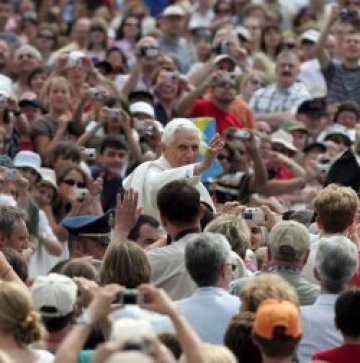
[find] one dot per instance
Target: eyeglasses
(72, 183)
(289, 45)
(224, 157)
(258, 82)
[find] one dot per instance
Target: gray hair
(205, 254)
(286, 54)
(178, 125)
(31, 49)
(336, 262)
(235, 229)
(8, 217)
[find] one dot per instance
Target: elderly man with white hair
(180, 148)
(335, 266)
(26, 58)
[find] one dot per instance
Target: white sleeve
(45, 229)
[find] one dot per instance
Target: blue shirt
(210, 310)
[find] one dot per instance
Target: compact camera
(131, 297)
(241, 134)
(81, 194)
(90, 153)
(95, 93)
(254, 214)
(149, 52)
(114, 113)
(348, 14)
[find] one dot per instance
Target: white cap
(28, 159)
(126, 328)
(54, 295)
(132, 356)
(173, 10)
(222, 57)
(48, 176)
(283, 138)
(311, 35)
(339, 130)
(142, 107)
(7, 200)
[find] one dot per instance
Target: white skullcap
(175, 125)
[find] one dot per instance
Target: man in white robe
(180, 147)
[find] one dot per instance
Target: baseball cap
(294, 125)
(273, 314)
(341, 130)
(173, 10)
(48, 176)
(283, 138)
(142, 107)
(54, 295)
(243, 32)
(310, 35)
(289, 241)
(313, 107)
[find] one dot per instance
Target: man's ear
(76, 246)
(163, 221)
(319, 222)
(163, 148)
(307, 253)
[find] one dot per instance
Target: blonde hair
(4, 358)
(336, 207)
(215, 354)
(265, 286)
(45, 91)
(18, 317)
(235, 229)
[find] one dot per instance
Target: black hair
(36, 71)
(53, 325)
(179, 202)
(143, 219)
(120, 30)
(113, 142)
(347, 313)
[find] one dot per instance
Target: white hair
(178, 125)
(336, 262)
(31, 49)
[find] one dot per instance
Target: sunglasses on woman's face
(258, 82)
(288, 45)
(72, 183)
(222, 157)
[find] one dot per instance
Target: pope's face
(183, 150)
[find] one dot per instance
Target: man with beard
(222, 90)
(279, 101)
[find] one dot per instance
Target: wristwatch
(84, 319)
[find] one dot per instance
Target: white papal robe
(149, 177)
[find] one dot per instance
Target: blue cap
(90, 226)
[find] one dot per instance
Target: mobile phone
(10, 174)
(131, 297)
(254, 214)
(114, 113)
(95, 93)
(241, 134)
(90, 153)
(81, 193)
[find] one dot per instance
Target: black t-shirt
(112, 186)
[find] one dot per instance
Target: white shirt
(210, 310)
(149, 177)
(271, 99)
(319, 331)
(311, 75)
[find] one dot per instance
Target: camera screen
(130, 299)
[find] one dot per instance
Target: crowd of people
(179, 181)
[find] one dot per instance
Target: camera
(74, 61)
(149, 52)
(81, 194)
(90, 153)
(10, 174)
(95, 93)
(138, 344)
(254, 214)
(131, 297)
(142, 125)
(171, 76)
(348, 14)
(223, 47)
(241, 134)
(114, 113)
(324, 165)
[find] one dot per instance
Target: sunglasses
(72, 183)
(224, 157)
(257, 82)
(289, 45)
(46, 36)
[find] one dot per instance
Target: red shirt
(347, 353)
(207, 108)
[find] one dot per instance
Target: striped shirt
(272, 99)
(342, 83)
